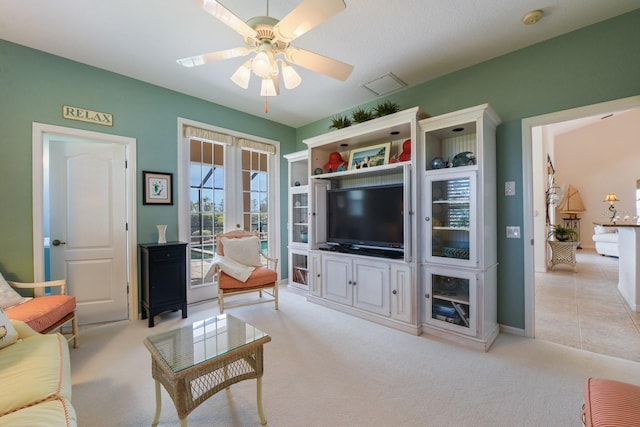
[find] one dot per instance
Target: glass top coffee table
(196, 361)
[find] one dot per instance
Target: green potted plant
(361, 115)
(386, 108)
(339, 122)
(562, 234)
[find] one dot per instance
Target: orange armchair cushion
(260, 277)
(610, 403)
(42, 312)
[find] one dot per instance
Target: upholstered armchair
(240, 269)
(43, 313)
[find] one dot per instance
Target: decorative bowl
(438, 163)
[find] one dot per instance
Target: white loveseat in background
(606, 240)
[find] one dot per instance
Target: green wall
(33, 88)
(595, 64)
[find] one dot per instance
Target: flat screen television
(368, 217)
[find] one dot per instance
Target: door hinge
(126, 164)
(126, 227)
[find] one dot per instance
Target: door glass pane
(206, 183)
(255, 191)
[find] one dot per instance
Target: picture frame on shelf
(371, 156)
(157, 188)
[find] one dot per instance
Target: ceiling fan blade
(227, 17)
(194, 61)
(309, 14)
(318, 63)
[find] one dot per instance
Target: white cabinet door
(299, 268)
(402, 293)
(449, 223)
(318, 220)
(371, 286)
(337, 284)
(450, 299)
(299, 216)
(315, 274)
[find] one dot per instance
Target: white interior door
(88, 226)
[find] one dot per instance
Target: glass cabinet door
(450, 299)
(450, 218)
(299, 269)
(300, 218)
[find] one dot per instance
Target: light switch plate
(513, 232)
(510, 188)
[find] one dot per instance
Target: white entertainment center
(430, 263)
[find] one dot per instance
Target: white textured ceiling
(417, 40)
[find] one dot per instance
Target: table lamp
(611, 197)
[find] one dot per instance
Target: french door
(232, 184)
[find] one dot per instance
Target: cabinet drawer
(166, 255)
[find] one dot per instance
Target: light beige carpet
(325, 368)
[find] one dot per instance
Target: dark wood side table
(164, 278)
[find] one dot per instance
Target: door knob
(58, 243)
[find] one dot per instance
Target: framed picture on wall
(157, 188)
(368, 157)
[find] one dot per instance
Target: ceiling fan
(270, 40)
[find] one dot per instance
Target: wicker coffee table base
(192, 386)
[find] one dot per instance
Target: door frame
(528, 157)
(39, 132)
(231, 174)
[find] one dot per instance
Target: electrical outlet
(513, 232)
(510, 188)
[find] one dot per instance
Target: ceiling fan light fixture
(242, 75)
(269, 87)
(261, 65)
(290, 76)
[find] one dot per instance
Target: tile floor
(584, 309)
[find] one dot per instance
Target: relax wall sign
(89, 116)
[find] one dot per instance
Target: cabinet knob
(427, 295)
(394, 292)
(349, 282)
(426, 218)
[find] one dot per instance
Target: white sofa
(606, 240)
(35, 378)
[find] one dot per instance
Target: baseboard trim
(511, 330)
(372, 317)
